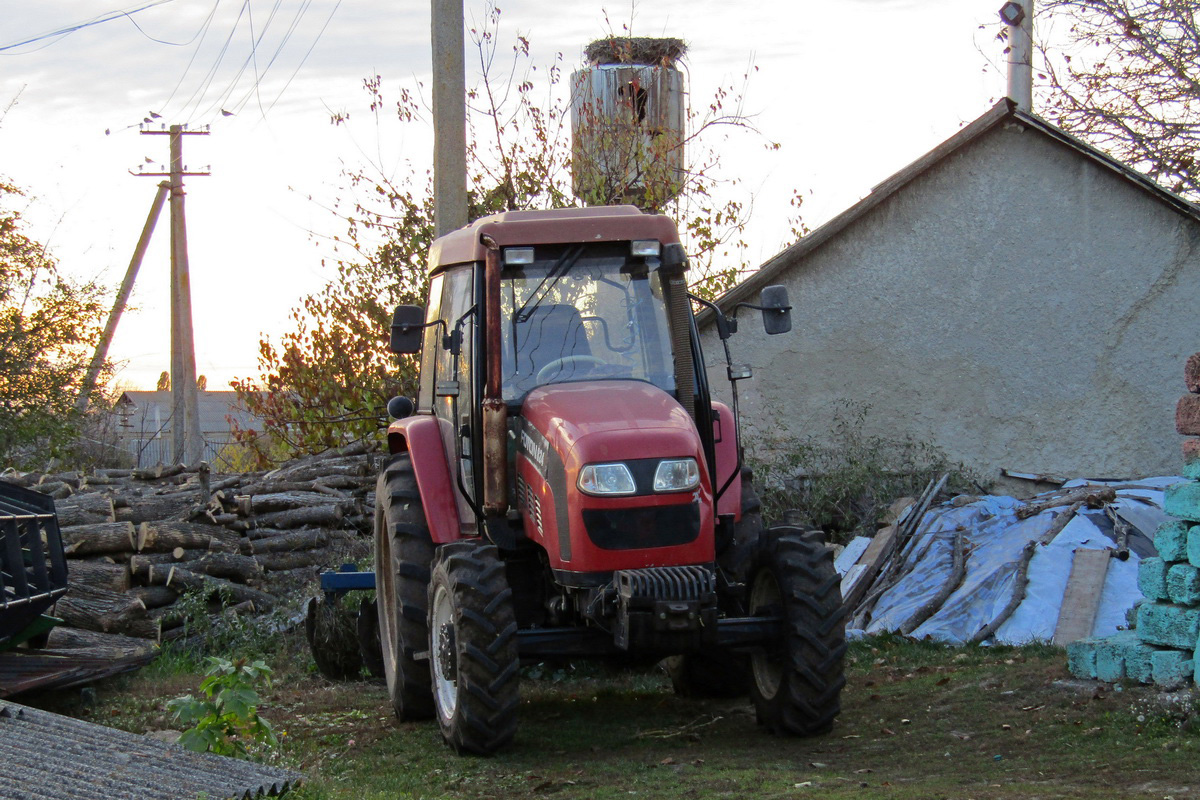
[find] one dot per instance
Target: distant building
(144, 425)
(1015, 296)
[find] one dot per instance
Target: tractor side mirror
(407, 324)
(776, 310)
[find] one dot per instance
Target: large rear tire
(403, 554)
(473, 648)
(721, 672)
(796, 685)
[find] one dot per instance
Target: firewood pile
(137, 540)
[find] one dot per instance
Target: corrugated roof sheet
(45, 756)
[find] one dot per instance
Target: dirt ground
(918, 721)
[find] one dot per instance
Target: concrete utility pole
(187, 445)
(449, 118)
(135, 263)
(1018, 15)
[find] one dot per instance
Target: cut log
(67, 638)
(281, 501)
(99, 610)
(98, 538)
(326, 485)
(164, 536)
(155, 596)
(231, 566)
(84, 509)
(294, 518)
(161, 471)
(98, 575)
(157, 508)
(178, 578)
(304, 539)
(297, 559)
(1092, 496)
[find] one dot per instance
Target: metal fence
(151, 452)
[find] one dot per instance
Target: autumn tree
(49, 325)
(327, 381)
(1124, 75)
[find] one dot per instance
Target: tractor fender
(420, 436)
(725, 433)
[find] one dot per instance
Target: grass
(918, 721)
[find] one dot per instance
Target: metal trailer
(33, 569)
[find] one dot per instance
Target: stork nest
(635, 50)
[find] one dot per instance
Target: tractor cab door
(451, 385)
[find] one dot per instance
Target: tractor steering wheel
(557, 365)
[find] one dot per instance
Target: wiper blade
(564, 263)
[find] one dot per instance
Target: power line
(108, 17)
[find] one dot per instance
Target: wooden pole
(135, 263)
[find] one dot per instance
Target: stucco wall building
(1014, 296)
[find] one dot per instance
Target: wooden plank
(872, 561)
(851, 554)
(1081, 601)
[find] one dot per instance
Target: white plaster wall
(1017, 305)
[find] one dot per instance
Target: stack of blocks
(1162, 647)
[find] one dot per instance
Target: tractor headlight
(606, 479)
(676, 475)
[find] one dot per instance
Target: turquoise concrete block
(1168, 625)
(1118, 657)
(1183, 584)
(1081, 658)
(1152, 578)
(1170, 540)
(1183, 500)
(1191, 470)
(1193, 546)
(1139, 664)
(1172, 669)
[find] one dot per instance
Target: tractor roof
(555, 226)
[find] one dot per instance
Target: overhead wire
(59, 34)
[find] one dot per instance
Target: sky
(852, 90)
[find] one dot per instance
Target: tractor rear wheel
(403, 554)
(473, 648)
(721, 672)
(796, 685)
(329, 629)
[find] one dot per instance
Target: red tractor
(567, 487)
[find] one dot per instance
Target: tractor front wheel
(403, 553)
(473, 648)
(796, 683)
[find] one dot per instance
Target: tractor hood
(601, 421)
(567, 426)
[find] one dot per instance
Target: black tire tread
(815, 640)
(485, 718)
(411, 555)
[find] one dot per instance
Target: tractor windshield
(583, 312)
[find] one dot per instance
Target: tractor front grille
(639, 528)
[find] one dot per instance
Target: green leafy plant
(226, 720)
(844, 481)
